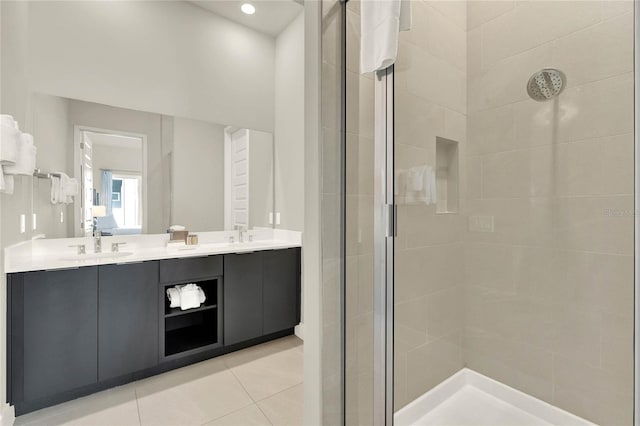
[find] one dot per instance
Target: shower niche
(447, 176)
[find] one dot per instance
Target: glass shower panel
(430, 143)
(514, 183)
(359, 230)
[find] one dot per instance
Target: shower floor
(471, 399)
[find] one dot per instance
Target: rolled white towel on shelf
(26, 159)
(9, 139)
(173, 294)
(189, 297)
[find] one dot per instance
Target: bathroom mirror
(141, 172)
(199, 122)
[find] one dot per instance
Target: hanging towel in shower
(381, 21)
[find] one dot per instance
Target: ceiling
(271, 17)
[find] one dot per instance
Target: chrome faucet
(242, 230)
(97, 241)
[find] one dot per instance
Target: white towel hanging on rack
(380, 23)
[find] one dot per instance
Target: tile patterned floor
(261, 385)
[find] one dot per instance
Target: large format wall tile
(549, 291)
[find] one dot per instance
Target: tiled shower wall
(430, 102)
(543, 302)
(549, 293)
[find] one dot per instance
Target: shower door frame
(636, 222)
(385, 231)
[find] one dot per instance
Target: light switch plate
(61, 217)
(34, 221)
(271, 218)
(23, 223)
(278, 218)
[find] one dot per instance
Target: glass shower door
(513, 168)
(490, 216)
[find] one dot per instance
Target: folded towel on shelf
(173, 293)
(417, 178)
(9, 139)
(25, 159)
(186, 296)
(416, 185)
(8, 184)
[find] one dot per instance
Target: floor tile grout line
(135, 392)
(264, 414)
(242, 385)
(279, 392)
(228, 414)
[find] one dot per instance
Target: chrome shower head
(546, 84)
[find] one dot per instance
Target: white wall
(289, 125)
(167, 57)
(198, 175)
(50, 118)
(260, 178)
(14, 101)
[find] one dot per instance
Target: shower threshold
(471, 399)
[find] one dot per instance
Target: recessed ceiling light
(248, 8)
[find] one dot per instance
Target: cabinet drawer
(190, 269)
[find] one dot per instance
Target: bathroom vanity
(102, 323)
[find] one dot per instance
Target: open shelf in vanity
(185, 332)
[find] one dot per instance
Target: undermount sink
(97, 256)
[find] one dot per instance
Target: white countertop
(45, 254)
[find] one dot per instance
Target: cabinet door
(242, 307)
(281, 286)
(128, 318)
(60, 331)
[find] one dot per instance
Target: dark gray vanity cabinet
(54, 315)
(76, 331)
(127, 319)
(281, 289)
(242, 297)
(261, 293)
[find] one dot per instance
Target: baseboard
(7, 415)
(299, 331)
(411, 413)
